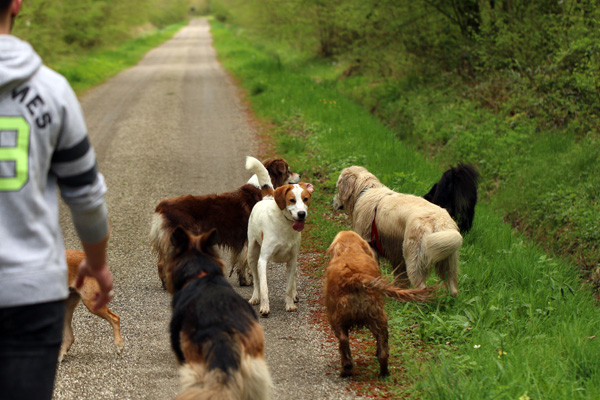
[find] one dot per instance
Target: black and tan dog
(215, 333)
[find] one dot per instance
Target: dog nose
(301, 215)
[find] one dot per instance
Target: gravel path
(169, 126)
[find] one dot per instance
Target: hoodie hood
(18, 61)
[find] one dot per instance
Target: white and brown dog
(274, 233)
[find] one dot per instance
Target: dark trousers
(30, 338)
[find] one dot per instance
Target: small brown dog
(86, 293)
(354, 292)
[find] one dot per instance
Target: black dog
(457, 193)
(215, 333)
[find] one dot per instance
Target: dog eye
(293, 201)
(305, 199)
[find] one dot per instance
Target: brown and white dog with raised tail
(415, 235)
(354, 290)
(274, 233)
(227, 212)
(215, 333)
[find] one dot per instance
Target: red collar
(375, 241)
(199, 276)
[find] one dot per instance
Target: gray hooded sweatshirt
(43, 147)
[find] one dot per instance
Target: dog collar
(361, 193)
(375, 242)
(201, 275)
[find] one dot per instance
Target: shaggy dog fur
(457, 193)
(87, 294)
(215, 333)
(227, 212)
(415, 234)
(354, 292)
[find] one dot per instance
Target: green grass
(523, 325)
(94, 67)
(546, 181)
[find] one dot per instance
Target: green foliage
(58, 28)
(523, 325)
(95, 67)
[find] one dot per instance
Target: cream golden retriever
(412, 233)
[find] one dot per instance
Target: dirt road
(174, 125)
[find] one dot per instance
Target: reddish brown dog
(354, 291)
(227, 212)
(86, 294)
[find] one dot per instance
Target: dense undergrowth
(510, 86)
(524, 324)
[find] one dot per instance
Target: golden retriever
(354, 292)
(412, 233)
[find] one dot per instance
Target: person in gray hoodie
(44, 150)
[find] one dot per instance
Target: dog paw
(346, 372)
(119, 349)
(291, 307)
(254, 301)
(245, 280)
(264, 312)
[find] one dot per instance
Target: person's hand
(102, 274)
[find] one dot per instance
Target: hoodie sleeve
(73, 163)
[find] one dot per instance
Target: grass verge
(524, 325)
(94, 67)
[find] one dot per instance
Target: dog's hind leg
(113, 319)
(416, 264)
(447, 270)
(68, 337)
(345, 353)
(258, 266)
(239, 261)
(379, 327)
(161, 272)
(400, 275)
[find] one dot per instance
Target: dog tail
(441, 245)
(251, 381)
(405, 295)
(159, 239)
(264, 180)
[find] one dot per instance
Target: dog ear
(333, 250)
(307, 186)
(209, 239)
(280, 194)
(180, 239)
(367, 248)
(346, 185)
